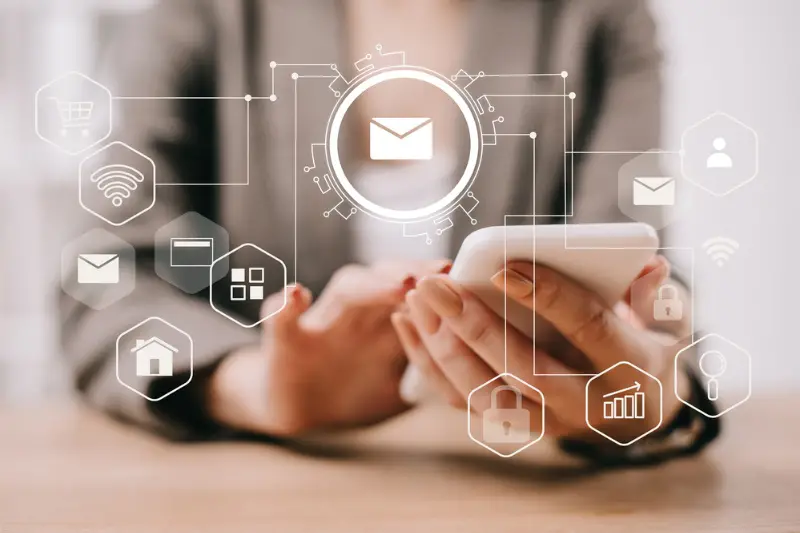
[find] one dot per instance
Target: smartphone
(605, 258)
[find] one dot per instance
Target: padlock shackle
(666, 287)
(509, 388)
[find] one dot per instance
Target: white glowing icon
(117, 182)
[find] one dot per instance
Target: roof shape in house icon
(154, 357)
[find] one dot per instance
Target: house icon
(153, 357)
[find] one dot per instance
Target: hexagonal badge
(185, 249)
(151, 349)
(98, 268)
(238, 292)
(648, 192)
(73, 113)
(723, 367)
(624, 403)
(117, 183)
(719, 154)
(510, 415)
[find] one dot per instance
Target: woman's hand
(458, 343)
(334, 363)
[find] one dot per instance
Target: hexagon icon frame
(656, 212)
(92, 293)
(660, 404)
(756, 166)
(192, 227)
(191, 358)
(211, 285)
(469, 415)
(749, 373)
(97, 153)
(69, 74)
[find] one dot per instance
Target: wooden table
(66, 470)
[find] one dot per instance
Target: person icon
(712, 365)
(719, 159)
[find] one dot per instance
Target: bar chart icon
(624, 403)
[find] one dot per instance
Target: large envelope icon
(98, 269)
(400, 138)
(654, 191)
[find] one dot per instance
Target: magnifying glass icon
(713, 365)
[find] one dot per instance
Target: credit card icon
(191, 252)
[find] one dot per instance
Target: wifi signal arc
(117, 182)
(720, 249)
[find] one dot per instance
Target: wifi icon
(117, 182)
(720, 249)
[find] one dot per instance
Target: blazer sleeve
(165, 52)
(626, 112)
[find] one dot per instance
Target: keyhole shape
(506, 427)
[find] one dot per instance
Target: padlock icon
(667, 307)
(506, 426)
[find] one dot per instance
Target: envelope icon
(653, 191)
(98, 269)
(400, 138)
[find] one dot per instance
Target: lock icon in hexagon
(667, 306)
(506, 426)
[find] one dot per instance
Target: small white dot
(719, 143)
(273, 97)
(572, 96)
(295, 75)
(247, 98)
(272, 64)
(564, 74)
(532, 135)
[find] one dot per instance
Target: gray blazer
(223, 48)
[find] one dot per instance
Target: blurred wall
(739, 56)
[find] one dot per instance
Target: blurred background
(734, 56)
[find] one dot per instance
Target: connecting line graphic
(246, 98)
(567, 153)
(525, 75)
(572, 153)
(566, 246)
(273, 66)
(296, 79)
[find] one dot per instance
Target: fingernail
(516, 285)
(446, 269)
(296, 294)
(440, 296)
(409, 283)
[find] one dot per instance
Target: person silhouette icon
(712, 365)
(719, 159)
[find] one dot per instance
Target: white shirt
(401, 187)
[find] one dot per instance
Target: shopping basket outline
(74, 115)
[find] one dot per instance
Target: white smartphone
(605, 258)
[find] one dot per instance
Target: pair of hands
(460, 344)
(338, 361)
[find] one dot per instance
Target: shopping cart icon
(74, 115)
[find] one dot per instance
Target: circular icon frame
(443, 205)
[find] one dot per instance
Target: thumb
(654, 273)
(646, 291)
(284, 321)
